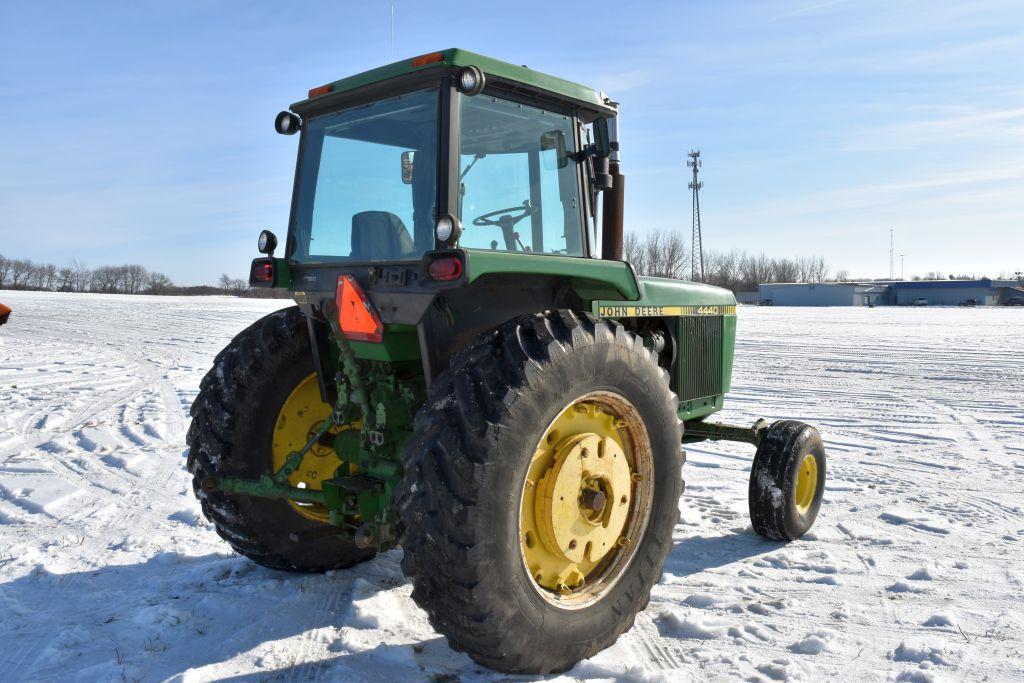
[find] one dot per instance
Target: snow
(108, 570)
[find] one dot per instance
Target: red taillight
(262, 271)
(447, 268)
(356, 316)
(432, 58)
(322, 90)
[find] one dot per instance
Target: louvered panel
(701, 360)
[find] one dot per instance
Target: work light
(471, 80)
(287, 123)
(447, 229)
(267, 243)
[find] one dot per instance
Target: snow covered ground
(914, 570)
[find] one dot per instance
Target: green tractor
(471, 372)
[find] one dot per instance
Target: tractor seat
(380, 235)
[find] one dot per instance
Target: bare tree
(66, 279)
(49, 276)
(225, 282)
(659, 253)
(134, 278)
(5, 269)
(21, 271)
(158, 283)
(82, 276)
(105, 280)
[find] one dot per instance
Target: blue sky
(142, 132)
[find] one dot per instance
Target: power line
(697, 241)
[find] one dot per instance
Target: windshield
(519, 189)
(368, 182)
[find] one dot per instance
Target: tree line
(124, 279)
(666, 254)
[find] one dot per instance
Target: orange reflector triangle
(356, 316)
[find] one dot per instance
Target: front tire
(236, 420)
(787, 480)
(552, 386)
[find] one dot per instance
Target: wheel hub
(580, 496)
(572, 515)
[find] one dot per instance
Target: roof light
(267, 243)
(322, 90)
(432, 58)
(287, 123)
(356, 316)
(445, 268)
(471, 81)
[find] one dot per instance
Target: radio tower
(697, 243)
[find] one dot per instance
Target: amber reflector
(322, 90)
(432, 58)
(356, 316)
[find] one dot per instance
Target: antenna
(392, 4)
(696, 242)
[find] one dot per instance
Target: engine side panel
(701, 321)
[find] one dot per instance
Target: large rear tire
(236, 420)
(514, 486)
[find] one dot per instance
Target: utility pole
(696, 242)
(892, 264)
(902, 276)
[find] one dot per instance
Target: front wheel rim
(806, 483)
(586, 500)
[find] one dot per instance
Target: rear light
(445, 268)
(432, 58)
(356, 316)
(261, 273)
(322, 90)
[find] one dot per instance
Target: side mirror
(555, 140)
(267, 243)
(602, 143)
(407, 166)
(287, 123)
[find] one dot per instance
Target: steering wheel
(506, 220)
(489, 217)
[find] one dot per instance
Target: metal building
(983, 292)
(820, 294)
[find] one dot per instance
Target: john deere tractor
(471, 372)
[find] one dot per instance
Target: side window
(519, 190)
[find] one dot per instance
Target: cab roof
(455, 57)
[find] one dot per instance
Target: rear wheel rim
(586, 500)
(806, 483)
(299, 418)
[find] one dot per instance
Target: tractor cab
(445, 149)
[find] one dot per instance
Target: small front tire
(787, 481)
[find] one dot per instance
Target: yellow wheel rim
(586, 499)
(806, 483)
(298, 420)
